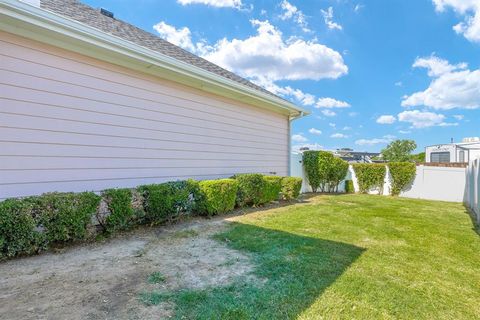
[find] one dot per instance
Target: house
(465, 151)
(89, 102)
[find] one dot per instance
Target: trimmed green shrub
(251, 189)
(66, 216)
(402, 174)
(370, 176)
(18, 233)
(310, 163)
(119, 202)
(337, 172)
(273, 186)
(349, 186)
(217, 196)
(166, 201)
(291, 187)
(324, 170)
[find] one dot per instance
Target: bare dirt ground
(103, 280)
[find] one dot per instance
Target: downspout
(289, 157)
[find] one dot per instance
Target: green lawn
(348, 257)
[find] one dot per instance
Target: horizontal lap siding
(71, 123)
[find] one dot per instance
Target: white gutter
(41, 25)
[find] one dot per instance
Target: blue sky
(369, 70)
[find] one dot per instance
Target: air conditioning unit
(471, 139)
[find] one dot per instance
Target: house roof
(85, 14)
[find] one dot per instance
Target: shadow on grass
(291, 272)
(473, 218)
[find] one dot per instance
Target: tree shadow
(290, 273)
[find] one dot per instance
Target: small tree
(399, 150)
(420, 157)
(310, 163)
(338, 173)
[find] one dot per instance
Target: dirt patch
(104, 280)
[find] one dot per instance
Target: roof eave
(50, 28)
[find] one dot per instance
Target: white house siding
(71, 123)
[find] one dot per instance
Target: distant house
(352, 156)
(90, 102)
(465, 151)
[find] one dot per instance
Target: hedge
(251, 189)
(310, 163)
(32, 224)
(349, 186)
(273, 187)
(402, 174)
(119, 202)
(217, 196)
(324, 170)
(370, 176)
(164, 202)
(18, 233)
(66, 216)
(291, 187)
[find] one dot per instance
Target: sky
(370, 71)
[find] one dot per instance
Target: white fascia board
(41, 25)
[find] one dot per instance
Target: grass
(156, 277)
(347, 257)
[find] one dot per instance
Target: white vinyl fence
(432, 182)
(472, 193)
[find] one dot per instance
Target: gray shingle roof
(80, 12)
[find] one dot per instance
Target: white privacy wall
(72, 123)
(472, 194)
(431, 182)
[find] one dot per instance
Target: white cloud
(291, 12)
(315, 131)
(299, 138)
(328, 18)
(237, 4)
(404, 131)
(180, 37)
(470, 27)
(419, 119)
(398, 84)
(459, 117)
(331, 103)
(267, 55)
(338, 136)
(370, 142)
(386, 119)
(437, 66)
(452, 86)
(328, 113)
(346, 128)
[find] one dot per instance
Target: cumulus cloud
(422, 119)
(371, 142)
(269, 56)
(291, 12)
(338, 136)
(331, 103)
(452, 86)
(328, 113)
(328, 18)
(459, 117)
(299, 138)
(470, 10)
(315, 131)
(180, 37)
(386, 119)
(237, 4)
